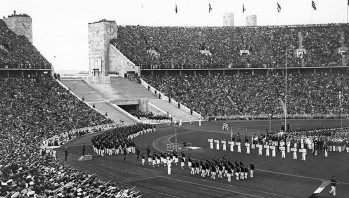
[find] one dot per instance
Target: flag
(209, 8)
(313, 5)
(278, 7)
(321, 187)
(176, 9)
(243, 8)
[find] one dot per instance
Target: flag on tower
(209, 8)
(176, 9)
(278, 7)
(243, 8)
(313, 5)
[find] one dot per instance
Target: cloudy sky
(60, 26)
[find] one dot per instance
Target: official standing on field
(83, 149)
(66, 153)
(333, 186)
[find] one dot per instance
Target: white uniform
(169, 166)
(273, 153)
(304, 153)
(224, 145)
(267, 150)
(248, 148)
(260, 148)
(211, 143)
(283, 152)
(239, 147)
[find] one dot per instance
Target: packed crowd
(119, 140)
(220, 47)
(33, 110)
(17, 52)
(259, 94)
(148, 115)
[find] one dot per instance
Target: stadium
(232, 110)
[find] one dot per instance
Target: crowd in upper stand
(247, 94)
(178, 47)
(34, 109)
(17, 52)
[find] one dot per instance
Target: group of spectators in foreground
(32, 110)
(16, 51)
(220, 47)
(321, 93)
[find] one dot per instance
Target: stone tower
(228, 19)
(99, 35)
(105, 58)
(21, 24)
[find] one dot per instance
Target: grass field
(274, 177)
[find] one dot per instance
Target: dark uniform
(83, 149)
(137, 152)
(66, 153)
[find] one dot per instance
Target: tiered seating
(32, 110)
(307, 93)
(17, 52)
(178, 47)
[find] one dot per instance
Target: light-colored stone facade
(103, 56)
(99, 36)
(21, 25)
(228, 19)
(119, 63)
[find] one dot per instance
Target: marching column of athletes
(220, 167)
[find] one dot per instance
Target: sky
(60, 27)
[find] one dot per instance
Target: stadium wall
(120, 63)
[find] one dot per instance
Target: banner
(321, 187)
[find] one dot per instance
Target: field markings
(207, 186)
(150, 190)
(138, 179)
(313, 178)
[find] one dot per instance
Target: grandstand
(144, 81)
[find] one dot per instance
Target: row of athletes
(273, 146)
(221, 167)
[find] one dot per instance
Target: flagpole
(286, 95)
(142, 14)
(347, 11)
(311, 11)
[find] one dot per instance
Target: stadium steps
(113, 113)
(172, 110)
(93, 96)
(130, 90)
(82, 89)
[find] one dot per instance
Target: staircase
(172, 110)
(93, 96)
